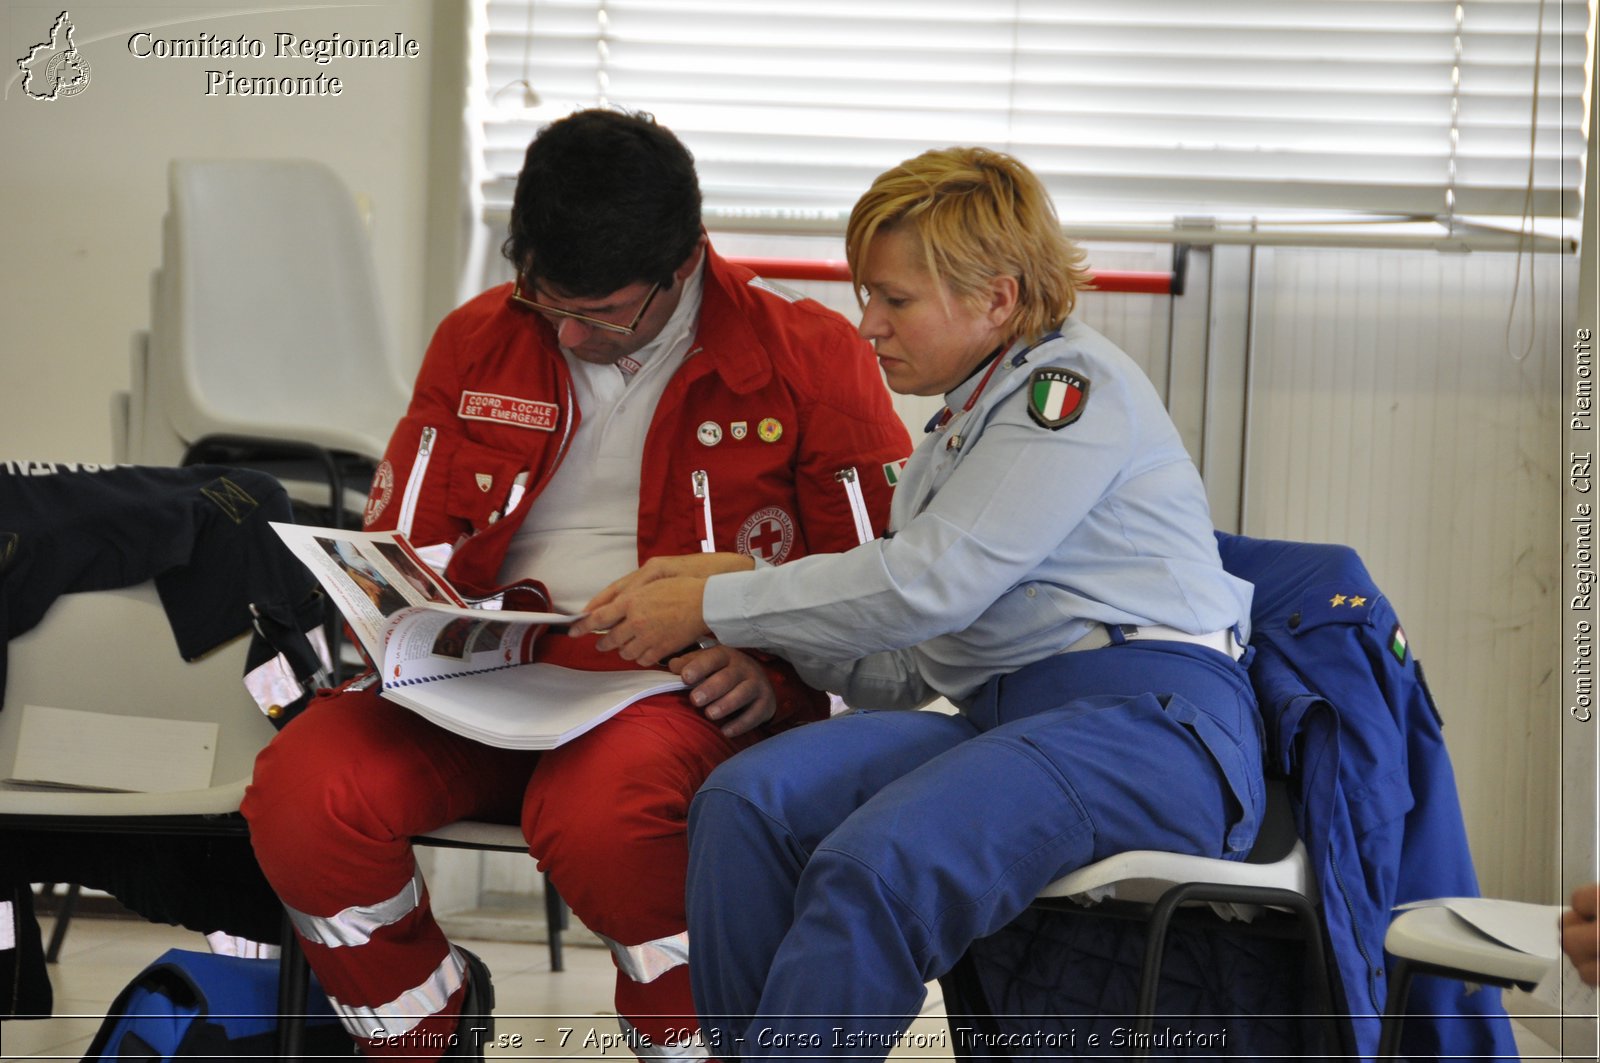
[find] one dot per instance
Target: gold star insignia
(1357, 600)
(1338, 599)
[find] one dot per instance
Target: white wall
(83, 185)
(1389, 410)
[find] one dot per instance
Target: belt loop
(1246, 652)
(1115, 633)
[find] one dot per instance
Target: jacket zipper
(419, 469)
(858, 504)
(702, 491)
(1361, 945)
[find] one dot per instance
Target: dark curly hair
(606, 199)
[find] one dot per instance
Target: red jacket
(794, 394)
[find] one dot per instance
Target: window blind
(1129, 109)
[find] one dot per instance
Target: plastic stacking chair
(502, 838)
(137, 673)
(110, 652)
(1433, 940)
(267, 346)
(1272, 893)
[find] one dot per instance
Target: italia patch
(1057, 397)
(1398, 645)
(893, 470)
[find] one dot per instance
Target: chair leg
(1155, 948)
(294, 981)
(1161, 914)
(1394, 1009)
(555, 921)
(1317, 974)
(58, 933)
(974, 1031)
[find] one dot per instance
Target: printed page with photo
(469, 669)
(405, 615)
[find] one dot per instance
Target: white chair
(1272, 891)
(111, 652)
(267, 345)
(504, 838)
(1434, 940)
(273, 326)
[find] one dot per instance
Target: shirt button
(1031, 592)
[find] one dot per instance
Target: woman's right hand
(699, 566)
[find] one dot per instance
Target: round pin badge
(709, 433)
(770, 429)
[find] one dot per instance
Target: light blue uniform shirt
(1008, 542)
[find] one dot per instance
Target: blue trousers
(837, 868)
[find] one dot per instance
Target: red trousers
(341, 791)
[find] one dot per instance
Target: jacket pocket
(478, 481)
(1242, 772)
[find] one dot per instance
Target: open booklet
(468, 667)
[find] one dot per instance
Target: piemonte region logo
(55, 69)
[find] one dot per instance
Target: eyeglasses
(593, 322)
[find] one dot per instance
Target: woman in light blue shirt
(1050, 568)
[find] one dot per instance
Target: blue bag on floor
(199, 1005)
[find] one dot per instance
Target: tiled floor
(550, 1015)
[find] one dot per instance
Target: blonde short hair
(978, 214)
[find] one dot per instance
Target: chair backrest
(112, 653)
(267, 320)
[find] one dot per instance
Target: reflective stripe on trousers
(651, 960)
(355, 925)
(409, 1008)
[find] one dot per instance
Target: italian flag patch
(1398, 645)
(1057, 397)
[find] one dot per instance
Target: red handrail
(814, 269)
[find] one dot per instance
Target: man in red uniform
(630, 395)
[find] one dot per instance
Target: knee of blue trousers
(724, 820)
(757, 775)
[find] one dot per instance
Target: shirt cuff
(722, 608)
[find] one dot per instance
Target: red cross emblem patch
(767, 533)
